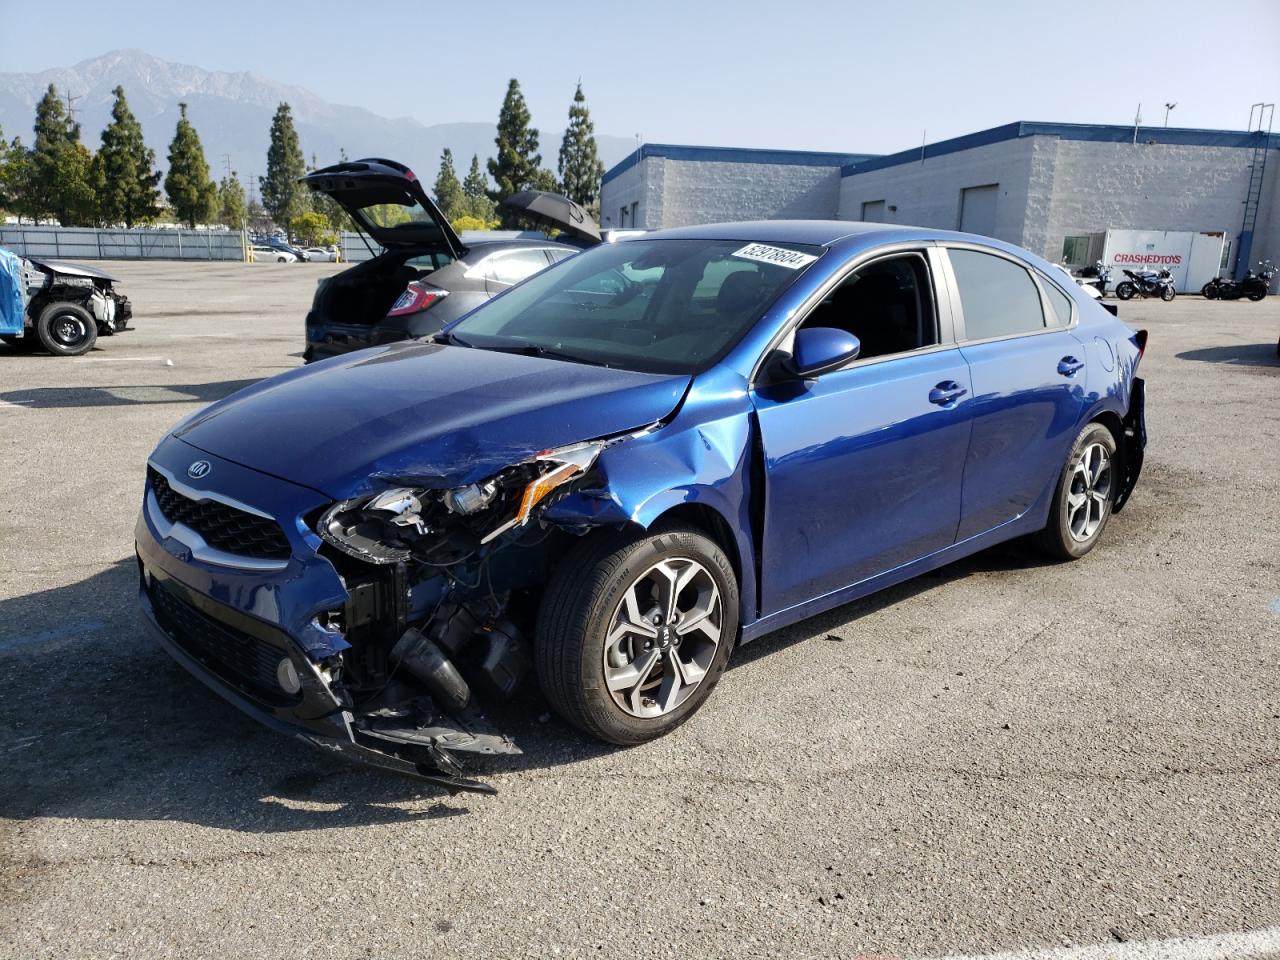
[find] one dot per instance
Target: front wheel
(1167, 293)
(1209, 291)
(66, 330)
(1084, 495)
(1257, 293)
(635, 631)
(1125, 290)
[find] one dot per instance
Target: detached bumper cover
(332, 731)
(1133, 444)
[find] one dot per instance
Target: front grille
(223, 528)
(240, 659)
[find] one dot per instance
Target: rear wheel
(66, 330)
(1084, 495)
(1125, 290)
(1209, 291)
(635, 631)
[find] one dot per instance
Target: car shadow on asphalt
(1243, 354)
(100, 724)
(47, 398)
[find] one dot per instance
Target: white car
(268, 254)
(322, 254)
(1085, 285)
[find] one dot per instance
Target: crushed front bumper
(251, 635)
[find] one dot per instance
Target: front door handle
(946, 393)
(1069, 366)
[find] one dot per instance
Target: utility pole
(71, 109)
(226, 166)
(1167, 108)
(1137, 121)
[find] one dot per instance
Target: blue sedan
(613, 474)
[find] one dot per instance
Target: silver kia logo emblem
(199, 469)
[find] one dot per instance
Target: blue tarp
(11, 305)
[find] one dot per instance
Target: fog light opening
(287, 677)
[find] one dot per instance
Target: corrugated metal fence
(75, 243)
(88, 243)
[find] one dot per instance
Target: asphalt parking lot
(1006, 754)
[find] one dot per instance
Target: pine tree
(232, 210)
(475, 191)
(518, 161)
(192, 194)
(282, 195)
(580, 166)
(129, 190)
(449, 196)
(56, 179)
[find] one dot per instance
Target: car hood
(72, 269)
(425, 413)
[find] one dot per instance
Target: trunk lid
(387, 201)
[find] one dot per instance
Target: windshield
(667, 306)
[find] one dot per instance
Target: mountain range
(232, 113)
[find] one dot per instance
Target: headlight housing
(434, 525)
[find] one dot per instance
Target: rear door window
(998, 297)
(1060, 303)
(509, 268)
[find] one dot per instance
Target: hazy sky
(785, 73)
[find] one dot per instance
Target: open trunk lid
(387, 202)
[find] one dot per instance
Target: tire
(1209, 291)
(282, 259)
(1125, 290)
(1167, 293)
(1067, 535)
(588, 600)
(1257, 293)
(66, 330)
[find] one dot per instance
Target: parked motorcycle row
(1159, 283)
(1252, 287)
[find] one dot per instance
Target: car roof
(818, 232)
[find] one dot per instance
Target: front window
(669, 306)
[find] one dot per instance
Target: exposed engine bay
(443, 588)
(67, 306)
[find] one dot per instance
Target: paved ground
(1006, 754)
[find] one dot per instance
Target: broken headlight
(393, 526)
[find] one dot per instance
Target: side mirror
(819, 349)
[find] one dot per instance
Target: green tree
(448, 190)
(282, 195)
(475, 192)
(232, 210)
(56, 177)
(129, 179)
(191, 192)
(580, 165)
(312, 229)
(516, 166)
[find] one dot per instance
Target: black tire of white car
(66, 330)
(578, 609)
(1125, 291)
(1057, 538)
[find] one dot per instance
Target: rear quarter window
(998, 297)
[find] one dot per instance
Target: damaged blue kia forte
(609, 476)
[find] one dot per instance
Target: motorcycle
(1253, 287)
(1146, 283)
(1097, 277)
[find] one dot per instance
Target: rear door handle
(947, 392)
(1069, 366)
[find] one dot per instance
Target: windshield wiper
(538, 350)
(448, 336)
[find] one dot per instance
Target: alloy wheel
(1089, 493)
(663, 637)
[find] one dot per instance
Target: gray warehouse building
(1069, 192)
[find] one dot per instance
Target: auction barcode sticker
(778, 256)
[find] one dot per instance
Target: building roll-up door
(978, 209)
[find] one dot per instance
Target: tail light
(1140, 341)
(416, 298)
